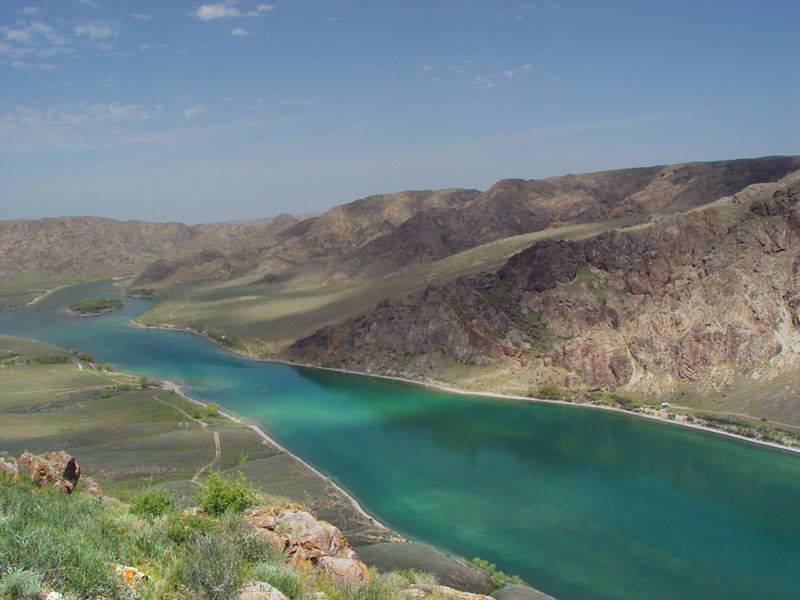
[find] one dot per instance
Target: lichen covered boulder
(259, 590)
(304, 538)
(57, 468)
(442, 591)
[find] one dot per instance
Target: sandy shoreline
(452, 390)
(171, 386)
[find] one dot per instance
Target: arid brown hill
(645, 307)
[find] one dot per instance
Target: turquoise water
(581, 503)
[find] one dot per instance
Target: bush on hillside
(222, 494)
(18, 583)
(151, 502)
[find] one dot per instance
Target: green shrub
(151, 502)
(86, 357)
(499, 579)
(551, 391)
(179, 529)
(197, 412)
(223, 494)
(55, 359)
(19, 583)
(211, 566)
(212, 410)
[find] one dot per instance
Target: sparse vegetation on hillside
(71, 544)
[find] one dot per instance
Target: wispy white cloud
(483, 83)
(228, 9)
(94, 31)
(29, 128)
(92, 3)
(141, 16)
(209, 12)
(487, 82)
(240, 32)
(31, 38)
(29, 10)
(195, 111)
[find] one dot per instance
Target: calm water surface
(581, 503)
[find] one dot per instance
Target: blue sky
(213, 111)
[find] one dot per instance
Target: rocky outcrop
(453, 318)
(665, 302)
(304, 538)
(58, 469)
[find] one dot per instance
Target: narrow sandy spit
(171, 386)
(453, 390)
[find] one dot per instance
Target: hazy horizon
(210, 111)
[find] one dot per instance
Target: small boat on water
(263, 391)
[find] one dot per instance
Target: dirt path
(217, 451)
(211, 464)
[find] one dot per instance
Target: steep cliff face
(643, 307)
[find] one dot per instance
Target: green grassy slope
(262, 319)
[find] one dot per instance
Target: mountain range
(677, 281)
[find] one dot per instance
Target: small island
(89, 307)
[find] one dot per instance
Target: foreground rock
(442, 591)
(59, 469)
(259, 590)
(304, 538)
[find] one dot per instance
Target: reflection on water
(583, 503)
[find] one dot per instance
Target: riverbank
(36, 299)
(652, 414)
(171, 386)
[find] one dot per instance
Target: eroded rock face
(669, 302)
(304, 538)
(57, 468)
(344, 569)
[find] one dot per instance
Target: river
(582, 503)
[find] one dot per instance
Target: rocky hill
(385, 233)
(697, 297)
(93, 246)
(655, 281)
